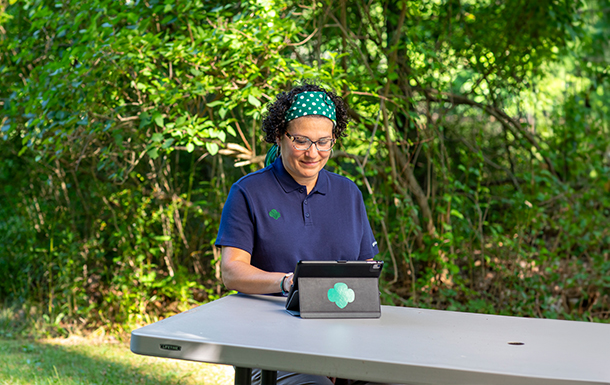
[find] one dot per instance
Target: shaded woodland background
(480, 139)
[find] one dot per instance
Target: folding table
(405, 345)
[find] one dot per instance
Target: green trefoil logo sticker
(274, 214)
(341, 295)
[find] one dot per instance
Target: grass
(90, 361)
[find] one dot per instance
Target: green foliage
(479, 139)
(487, 143)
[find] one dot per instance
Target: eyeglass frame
(311, 142)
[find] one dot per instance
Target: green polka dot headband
(312, 103)
(306, 103)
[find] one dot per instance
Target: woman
(293, 209)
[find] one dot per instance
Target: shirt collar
(289, 184)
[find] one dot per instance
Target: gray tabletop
(405, 345)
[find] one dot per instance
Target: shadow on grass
(86, 362)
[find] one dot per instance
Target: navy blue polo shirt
(271, 216)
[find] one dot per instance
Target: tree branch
(509, 122)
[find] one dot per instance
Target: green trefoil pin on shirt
(274, 214)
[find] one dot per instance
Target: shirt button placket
(306, 212)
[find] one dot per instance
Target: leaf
(456, 213)
(254, 101)
(190, 147)
(222, 136)
(158, 118)
(222, 112)
(167, 143)
(212, 148)
(197, 141)
(153, 153)
(157, 137)
(144, 119)
(180, 121)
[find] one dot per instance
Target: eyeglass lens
(303, 143)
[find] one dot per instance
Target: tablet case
(337, 297)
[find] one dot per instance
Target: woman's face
(304, 165)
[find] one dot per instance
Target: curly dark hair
(274, 120)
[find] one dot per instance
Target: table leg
(269, 377)
(243, 376)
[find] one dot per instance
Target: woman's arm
(238, 274)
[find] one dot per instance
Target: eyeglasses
(303, 143)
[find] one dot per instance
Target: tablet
(361, 276)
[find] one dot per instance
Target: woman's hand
(287, 282)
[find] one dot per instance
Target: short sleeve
(368, 244)
(236, 222)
